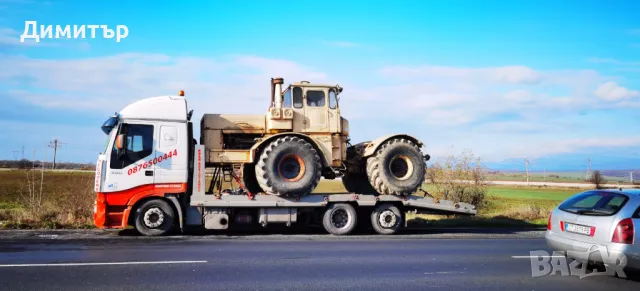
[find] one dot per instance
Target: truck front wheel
(154, 218)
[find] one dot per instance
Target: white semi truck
(153, 172)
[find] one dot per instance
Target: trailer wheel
(289, 166)
(154, 218)
(340, 219)
(397, 168)
(357, 183)
(386, 219)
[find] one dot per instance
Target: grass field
(67, 201)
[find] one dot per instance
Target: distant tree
(597, 179)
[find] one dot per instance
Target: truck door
(171, 153)
(299, 118)
(316, 110)
(133, 166)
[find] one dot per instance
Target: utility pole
(526, 164)
(588, 169)
(631, 177)
(54, 144)
(22, 157)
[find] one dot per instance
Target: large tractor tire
(357, 183)
(289, 166)
(249, 179)
(397, 168)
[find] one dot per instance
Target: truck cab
(146, 154)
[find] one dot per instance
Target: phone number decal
(150, 163)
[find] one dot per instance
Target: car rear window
(595, 203)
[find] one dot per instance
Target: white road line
(444, 272)
(102, 264)
(528, 257)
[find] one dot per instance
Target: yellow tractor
(301, 138)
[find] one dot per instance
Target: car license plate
(578, 228)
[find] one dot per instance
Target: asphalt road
(299, 262)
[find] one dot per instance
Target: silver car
(596, 220)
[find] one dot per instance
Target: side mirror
(120, 145)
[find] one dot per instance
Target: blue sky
(505, 80)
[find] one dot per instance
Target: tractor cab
(314, 106)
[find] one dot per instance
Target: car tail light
(624, 232)
(549, 222)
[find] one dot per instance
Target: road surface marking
(529, 257)
(102, 264)
(443, 272)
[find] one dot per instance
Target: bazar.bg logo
(79, 31)
(544, 264)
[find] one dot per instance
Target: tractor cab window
(315, 98)
(138, 143)
(297, 97)
(333, 100)
(287, 99)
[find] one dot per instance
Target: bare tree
(460, 178)
(597, 179)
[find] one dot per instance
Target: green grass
(529, 193)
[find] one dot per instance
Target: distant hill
(612, 163)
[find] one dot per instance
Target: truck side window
(333, 101)
(287, 99)
(315, 98)
(139, 144)
(297, 97)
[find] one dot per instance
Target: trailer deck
(323, 199)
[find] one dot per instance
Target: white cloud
(211, 85)
(507, 74)
(611, 91)
(564, 146)
(497, 112)
(612, 61)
